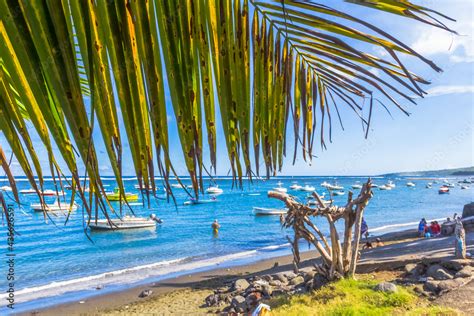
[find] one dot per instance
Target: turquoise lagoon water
(57, 262)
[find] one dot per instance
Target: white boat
(340, 192)
(308, 188)
(54, 207)
(280, 188)
(27, 191)
(269, 211)
(296, 187)
(52, 193)
(194, 201)
(373, 185)
(6, 188)
(450, 185)
(325, 184)
(315, 202)
(384, 187)
(428, 186)
(357, 186)
(334, 186)
(214, 190)
(390, 184)
(464, 187)
(410, 184)
(127, 222)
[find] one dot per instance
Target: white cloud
(436, 41)
(444, 90)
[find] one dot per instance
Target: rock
(241, 285)
(448, 285)
(275, 283)
(280, 277)
(386, 287)
(239, 304)
(279, 291)
(252, 299)
(290, 275)
(145, 293)
(309, 275)
(267, 290)
(468, 210)
(297, 280)
(212, 300)
(267, 277)
(465, 272)
(431, 286)
(419, 289)
(413, 269)
(221, 290)
(455, 264)
(437, 272)
(319, 281)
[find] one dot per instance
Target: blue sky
(438, 134)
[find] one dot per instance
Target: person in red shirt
(435, 228)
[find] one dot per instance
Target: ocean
(56, 263)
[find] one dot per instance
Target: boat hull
(117, 224)
(269, 211)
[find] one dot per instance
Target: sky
(437, 135)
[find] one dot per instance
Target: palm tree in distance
(70, 67)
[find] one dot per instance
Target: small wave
(388, 227)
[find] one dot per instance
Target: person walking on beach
(421, 227)
(364, 229)
(460, 240)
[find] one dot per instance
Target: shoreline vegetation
(186, 294)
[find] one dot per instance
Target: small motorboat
(127, 222)
(357, 186)
(315, 202)
(384, 187)
(280, 188)
(464, 187)
(193, 201)
(428, 186)
(6, 188)
(325, 184)
(28, 191)
(410, 184)
(214, 190)
(296, 187)
(450, 185)
(52, 193)
(443, 190)
(390, 184)
(373, 185)
(115, 196)
(308, 188)
(334, 186)
(269, 211)
(54, 207)
(339, 192)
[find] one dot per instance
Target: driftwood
(339, 259)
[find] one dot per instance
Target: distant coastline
(466, 171)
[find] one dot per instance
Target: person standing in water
(215, 226)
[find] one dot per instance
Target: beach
(186, 294)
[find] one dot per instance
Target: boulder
(212, 300)
(413, 269)
(319, 281)
(282, 290)
(267, 290)
(437, 272)
(468, 210)
(290, 275)
(465, 272)
(224, 289)
(275, 283)
(431, 286)
(252, 299)
(145, 293)
(241, 285)
(455, 264)
(448, 285)
(239, 304)
(280, 277)
(386, 287)
(267, 277)
(309, 275)
(297, 280)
